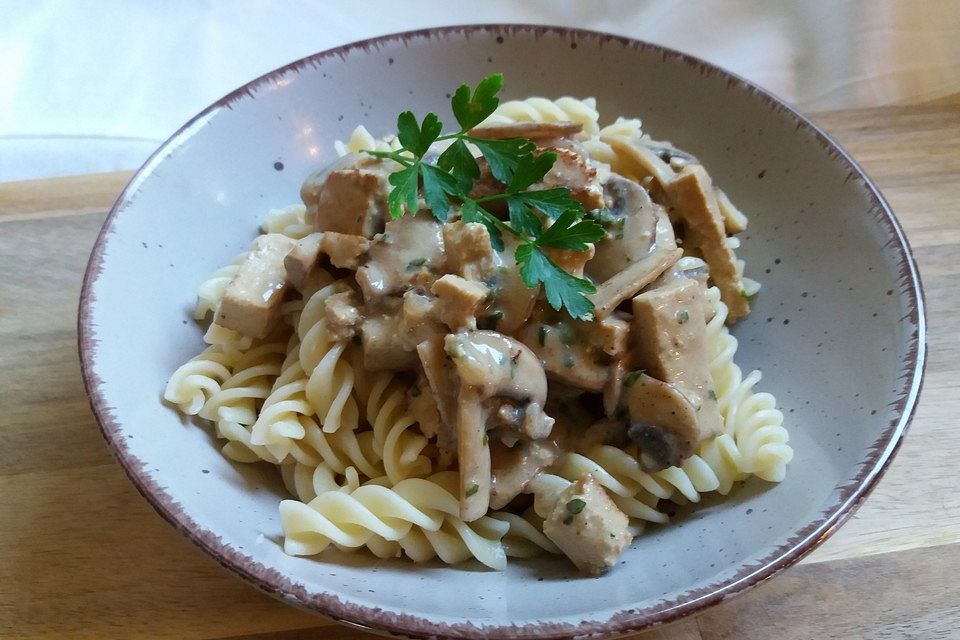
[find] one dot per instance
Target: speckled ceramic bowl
(838, 329)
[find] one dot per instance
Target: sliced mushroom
(527, 130)
(630, 220)
(511, 300)
(444, 387)
(408, 253)
(662, 422)
(639, 274)
(490, 367)
(513, 467)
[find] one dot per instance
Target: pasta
(421, 400)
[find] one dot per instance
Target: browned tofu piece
(352, 201)
(670, 343)
(458, 301)
(469, 252)
(302, 259)
(342, 313)
(569, 260)
(572, 171)
(587, 526)
(346, 251)
(609, 334)
(695, 204)
(251, 302)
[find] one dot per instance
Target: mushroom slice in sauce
(511, 301)
(694, 202)
(662, 422)
(444, 387)
(409, 252)
(639, 274)
(670, 342)
(528, 130)
(489, 366)
(513, 467)
(630, 220)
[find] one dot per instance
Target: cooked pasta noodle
(583, 112)
(329, 373)
(193, 383)
(290, 221)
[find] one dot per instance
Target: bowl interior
(835, 329)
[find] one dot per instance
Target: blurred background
(88, 86)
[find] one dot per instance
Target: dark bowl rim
(805, 540)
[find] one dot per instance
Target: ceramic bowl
(838, 329)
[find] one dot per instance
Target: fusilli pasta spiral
(192, 384)
(538, 109)
(290, 221)
(329, 373)
(354, 519)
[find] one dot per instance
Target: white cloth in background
(96, 85)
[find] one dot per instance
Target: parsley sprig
(515, 164)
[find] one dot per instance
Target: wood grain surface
(82, 555)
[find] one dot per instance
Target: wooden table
(82, 555)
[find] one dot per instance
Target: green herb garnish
(542, 335)
(682, 316)
(576, 505)
(473, 489)
(416, 263)
(631, 378)
(513, 163)
(712, 394)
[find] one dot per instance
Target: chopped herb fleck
(485, 441)
(683, 316)
(415, 390)
(473, 489)
(712, 394)
(631, 378)
(568, 360)
(576, 505)
(542, 335)
(613, 536)
(416, 263)
(567, 335)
